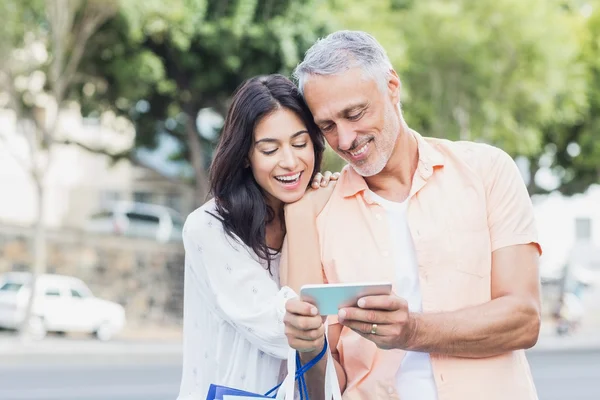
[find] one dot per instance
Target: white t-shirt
(414, 379)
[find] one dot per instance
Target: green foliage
(331, 161)
(503, 72)
(572, 148)
(520, 74)
(186, 55)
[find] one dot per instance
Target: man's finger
(367, 316)
(369, 329)
(385, 302)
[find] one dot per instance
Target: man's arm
(510, 321)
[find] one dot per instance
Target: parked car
(138, 220)
(61, 304)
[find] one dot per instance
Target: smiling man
(449, 223)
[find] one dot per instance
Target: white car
(141, 220)
(61, 304)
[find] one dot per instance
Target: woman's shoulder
(204, 224)
(205, 216)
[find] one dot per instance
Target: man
(449, 223)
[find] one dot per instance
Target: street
(84, 381)
(559, 375)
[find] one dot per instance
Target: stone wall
(144, 276)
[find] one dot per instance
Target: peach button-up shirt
(466, 201)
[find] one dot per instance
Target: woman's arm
(301, 259)
(226, 276)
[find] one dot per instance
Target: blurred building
(79, 182)
(569, 231)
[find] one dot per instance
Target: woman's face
(282, 157)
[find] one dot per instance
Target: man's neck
(395, 180)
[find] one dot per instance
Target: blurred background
(110, 111)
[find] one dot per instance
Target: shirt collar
(429, 157)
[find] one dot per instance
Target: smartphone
(330, 297)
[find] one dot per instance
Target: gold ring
(374, 329)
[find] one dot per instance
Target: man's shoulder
(342, 193)
(476, 154)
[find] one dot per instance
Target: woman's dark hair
(240, 201)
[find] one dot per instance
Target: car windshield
(80, 293)
(11, 287)
(142, 218)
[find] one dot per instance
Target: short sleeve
(510, 212)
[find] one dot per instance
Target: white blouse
(233, 331)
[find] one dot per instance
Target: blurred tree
(161, 63)
(495, 71)
(571, 149)
(331, 161)
(42, 43)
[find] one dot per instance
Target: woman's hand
(322, 180)
(316, 196)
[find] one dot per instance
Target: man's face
(360, 121)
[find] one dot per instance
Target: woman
(269, 151)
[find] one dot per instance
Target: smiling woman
(259, 142)
(270, 150)
(282, 158)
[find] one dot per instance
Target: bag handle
(302, 369)
(332, 386)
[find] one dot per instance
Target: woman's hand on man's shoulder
(323, 179)
(317, 196)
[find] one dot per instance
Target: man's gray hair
(341, 51)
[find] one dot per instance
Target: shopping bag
(219, 392)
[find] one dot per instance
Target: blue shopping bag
(217, 392)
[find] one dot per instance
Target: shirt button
(391, 390)
(378, 217)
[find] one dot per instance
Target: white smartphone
(330, 297)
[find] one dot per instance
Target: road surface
(559, 375)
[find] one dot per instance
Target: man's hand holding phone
(384, 320)
(304, 327)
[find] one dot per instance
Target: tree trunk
(534, 167)
(39, 252)
(197, 159)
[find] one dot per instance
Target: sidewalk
(72, 351)
(170, 349)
